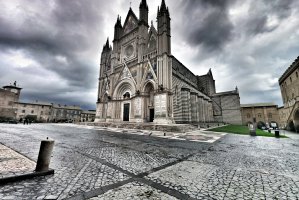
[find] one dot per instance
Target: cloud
(52, 48)
(211, 26)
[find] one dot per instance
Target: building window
(291, 79)
(248, 115)
(42, 106)
(297, 74)
(24, 105)
(41, 112)
(259, 115)
(270, 115)
(32, 111)
(23, 111)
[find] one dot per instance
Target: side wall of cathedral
(189, 104)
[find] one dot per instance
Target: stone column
(194, 111)
(211, 110)
(200, 108)
(137, 107)
(206, 115)
(185, 98)
(163, 112)
(109, 111)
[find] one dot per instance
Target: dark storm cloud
(262, 12)
(60, 37)
(211, 26)
(52, 48)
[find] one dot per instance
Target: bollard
(277, 133)
(44, 155)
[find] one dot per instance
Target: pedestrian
(24, 121)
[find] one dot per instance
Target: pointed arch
(124, 86)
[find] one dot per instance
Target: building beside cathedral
(289, 87)
(141, 81)
(8, 95)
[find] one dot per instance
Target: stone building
(8, 95)
(289, 86)
(88, 115)
(65, 113)
(141, 81)
(266, 114)
(37, 111)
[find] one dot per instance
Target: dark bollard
(269, 131)
(277, 133)
(44, 156)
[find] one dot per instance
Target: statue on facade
(107, 86)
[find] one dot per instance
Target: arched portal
(123, 94)
(149, 102)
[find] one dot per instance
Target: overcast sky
(52, 48)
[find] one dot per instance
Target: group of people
(26, 121)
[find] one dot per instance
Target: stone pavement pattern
(98, 164)
(13, 163)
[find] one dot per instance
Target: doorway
(126, 116)
(152, 115)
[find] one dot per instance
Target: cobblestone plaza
(100, 164)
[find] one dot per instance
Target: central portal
(126, 116)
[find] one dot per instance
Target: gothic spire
(143, 4)
(107, 42)
(163, 9)
(143, 13)
(163, 6)
(118, 22)
(106, 46)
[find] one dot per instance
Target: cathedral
(141, 81)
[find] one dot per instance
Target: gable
(125, 74)
(131, 22)
(149, 73)
(151, 40)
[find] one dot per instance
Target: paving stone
(87, 160)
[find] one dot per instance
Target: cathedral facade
(141, 81)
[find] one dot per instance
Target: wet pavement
(100, 164)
